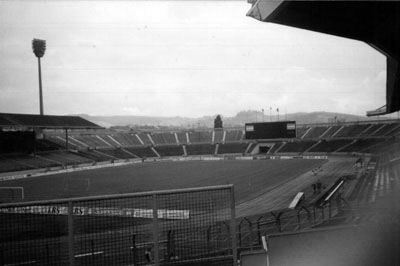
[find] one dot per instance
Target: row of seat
(46, 159)
(20, 162)
(326, 146)
(102, 139)
(107, 139)
(348, 131)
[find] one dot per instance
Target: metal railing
(175, 227)
(251, 229)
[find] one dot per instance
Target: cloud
(178, 58)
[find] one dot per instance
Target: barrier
(164, 227)
(303, 215)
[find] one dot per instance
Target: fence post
(92, 246)
(47, 254)
(134, 248)
(155, 232)
(209, 238)
(71, 251)
(259, 230)
(170, 245)
(233, 227)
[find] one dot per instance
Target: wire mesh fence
(178, 227)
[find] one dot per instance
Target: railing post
(71, 255)
(240, 233)
(299, 219)
(233, 227)
(323, 213)
(250, 233)
(155, 231)
(277, 220)
(259, 230)
(315, 215)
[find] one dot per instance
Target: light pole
(263, 114)
(39, 47)
(277, 110)
(270, 114)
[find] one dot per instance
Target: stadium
(267, 193)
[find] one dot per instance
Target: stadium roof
(374, 22)
(45, 121)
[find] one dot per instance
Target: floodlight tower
(39, 47)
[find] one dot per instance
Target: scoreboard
(271, 130)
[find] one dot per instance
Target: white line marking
(89, 254)
(21, 263)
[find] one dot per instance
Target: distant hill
(208, 121)
(300, 118)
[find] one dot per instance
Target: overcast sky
(177, 58)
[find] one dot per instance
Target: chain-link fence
(176, 227)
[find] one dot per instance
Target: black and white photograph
(199, 133)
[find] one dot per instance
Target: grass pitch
(251, 178)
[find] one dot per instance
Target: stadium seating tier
(170, 150)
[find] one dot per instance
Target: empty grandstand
(104, 145)
(339, 168)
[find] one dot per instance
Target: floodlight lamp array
(39, 47)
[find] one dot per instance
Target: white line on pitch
(89, 254)
(21, 263)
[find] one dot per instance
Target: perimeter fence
(175, 227)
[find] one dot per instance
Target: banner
(212, 158)
(244, 158)
(98, 211)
